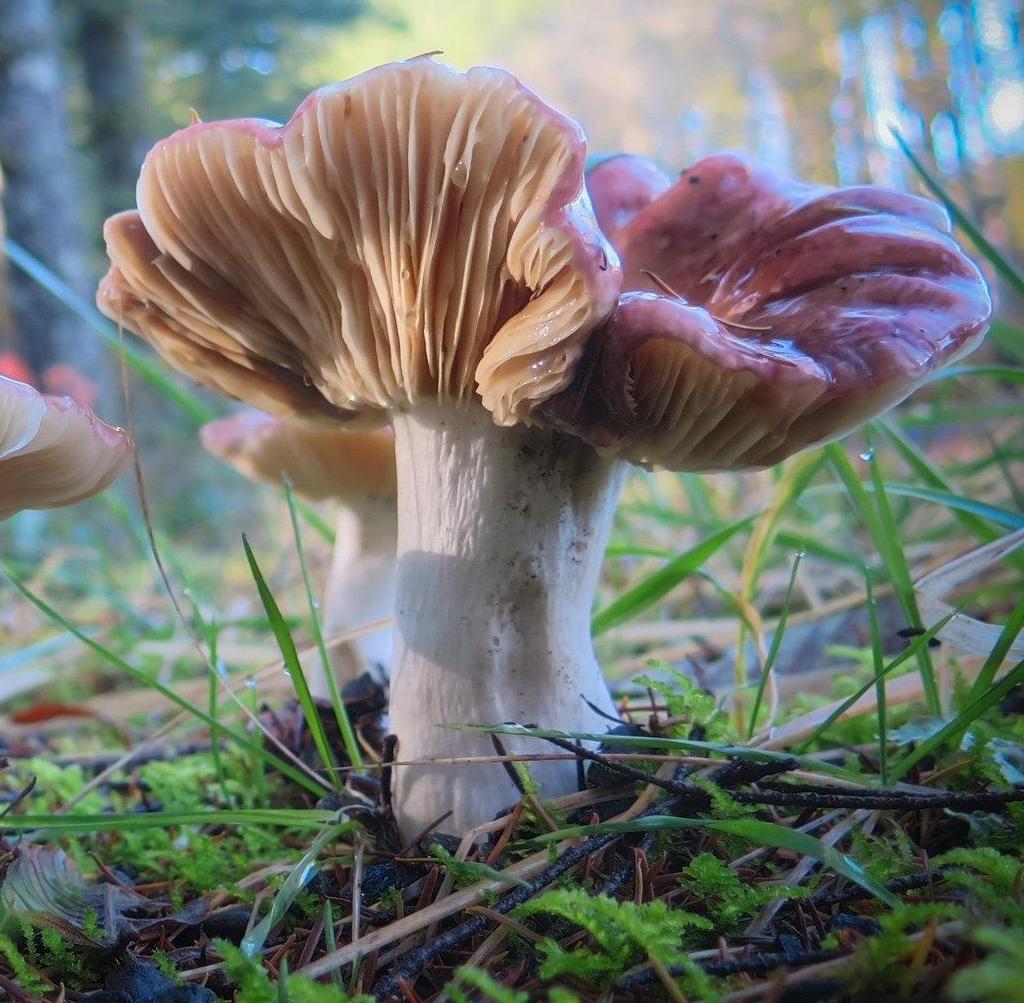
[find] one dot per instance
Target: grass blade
(1003, 266)
(1010, 374)
(878, 519)
(911, 651)
(239, 738)
(688, 746)
(773, 650)
(932, 478)
(758, 832)
(348, 734)
(290, 655)
(793, 482)
(1011, 629)
(815, 548)
(1009, 338)
(999, 516)
(961, 722)
(791, 485)
(212, 637)
(152, 374)
(128, 821)
(299, 876)
(658, 585)
(878, 666)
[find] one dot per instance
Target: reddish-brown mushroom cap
(411, 235)
(52, 451)
(320, 461)
(620, 186)
(765, 315)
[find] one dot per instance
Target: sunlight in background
(812, 88)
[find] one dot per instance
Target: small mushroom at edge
(53, 452)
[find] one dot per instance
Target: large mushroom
(355, 471)
(53, 452)
(762, 315)
(416, 245)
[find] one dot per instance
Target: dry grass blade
(898, 693)
(967, 633)
(406, 926)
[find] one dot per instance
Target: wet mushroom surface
(417, 246)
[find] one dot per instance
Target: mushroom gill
(409, 234)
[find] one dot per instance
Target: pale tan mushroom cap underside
(53, 452)
(321, 462)
(413, 235)
(21, 413)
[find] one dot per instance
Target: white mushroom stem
(501, 532)
(360, 590)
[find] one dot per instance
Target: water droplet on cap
(460, 175)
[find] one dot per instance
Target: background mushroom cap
(322, 462)
(53, 452)
(413, 234)
(765, 315)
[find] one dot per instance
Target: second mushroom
(416, 246)
(355, 471)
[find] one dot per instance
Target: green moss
(21, 967)
(254, 985)
(696, 707)
(486, 987)
(726, 898)
(622, 934)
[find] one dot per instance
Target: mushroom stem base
(501, 532)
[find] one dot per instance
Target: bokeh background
(815, 86)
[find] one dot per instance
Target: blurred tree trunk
(43, 199)
(110, 42)
(7, 343)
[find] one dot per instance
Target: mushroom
(417, 244)
(355, 470)
(763, 315)
(53, 452)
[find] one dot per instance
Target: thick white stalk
(501, 532)
(360, 590)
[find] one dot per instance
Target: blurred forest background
(815, 86)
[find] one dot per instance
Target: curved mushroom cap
(52, 451)
(765, 315)
(413, 234)
(321, 462)
(620, 186)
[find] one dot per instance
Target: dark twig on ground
(414, 962)
(854, 893)
(756, 964)
(885, 800)
(417, 960)
(803, 795)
